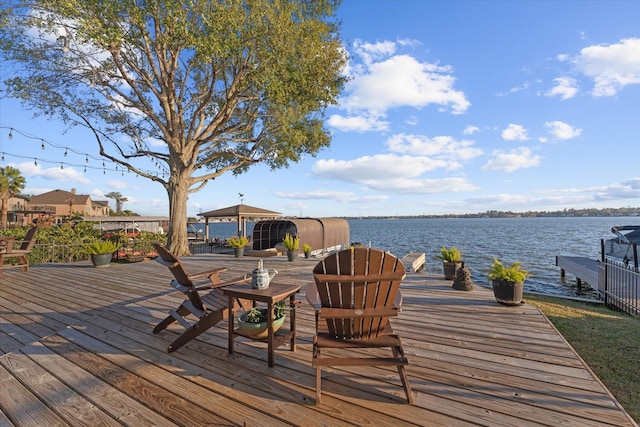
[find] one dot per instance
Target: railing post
(606, 283)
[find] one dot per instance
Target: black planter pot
(101, 260)
(508, 293)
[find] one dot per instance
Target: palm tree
(11, 184)
(119, 200)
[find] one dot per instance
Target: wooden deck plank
(67, 404)
(472, 361)
(20, 406)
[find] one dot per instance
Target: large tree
(201, 88)
(11, 184)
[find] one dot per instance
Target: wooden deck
(76, 348)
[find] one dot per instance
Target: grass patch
(608, 341)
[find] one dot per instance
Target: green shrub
(291, 243)
(513, 273)
(238, 241)
(101, 247)
(452, 254)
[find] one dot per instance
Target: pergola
(241, 212)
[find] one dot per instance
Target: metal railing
(134, 250)
(619, 286)
(44, 253)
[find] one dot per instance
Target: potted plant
(451, 261)
(291, 244)
(238, 244)
(101, 252)
(253, 323)
(508, 282)
(307, 250)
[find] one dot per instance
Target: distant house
(16, 206)
(57, 206)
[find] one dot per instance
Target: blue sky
(452, 107)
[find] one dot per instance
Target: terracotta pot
(258, 331)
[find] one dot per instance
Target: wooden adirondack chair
(355, 293)
(19, 249)
(209, 308)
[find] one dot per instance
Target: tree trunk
(178, 193)
(3, 214)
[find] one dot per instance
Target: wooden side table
(276, 292)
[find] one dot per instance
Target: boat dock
(414, 261)
(585, 269)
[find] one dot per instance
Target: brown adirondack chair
(19, 249)
(355, 293)
(209, 308)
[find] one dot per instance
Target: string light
(44, 143)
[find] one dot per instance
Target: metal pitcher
(260, 277)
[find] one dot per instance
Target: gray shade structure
(241, 212)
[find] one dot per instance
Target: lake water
(533, 241)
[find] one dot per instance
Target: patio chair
(209, 308)
(355, 293)
(18, 249)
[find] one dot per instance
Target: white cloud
(611, 66)
(368, 168)
(561, 130)
(412, 120)
(60, 174)
(423, 186)
(470, 130)
(401, 174)
(515, 132)
(369, 52)
(357, 123)
(520, 158)
(565, 88)
(403, 81)
(340, 196)
(627, 190)
(384, 80)
(439, 147)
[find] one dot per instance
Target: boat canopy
(623, 247)
(322, 234)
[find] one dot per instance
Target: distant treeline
(629, 211)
